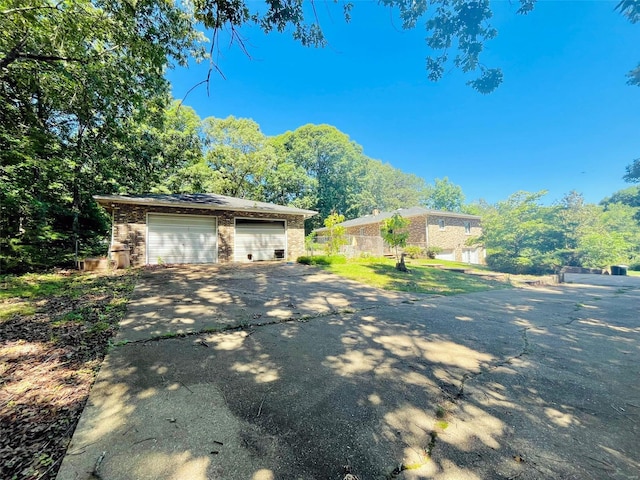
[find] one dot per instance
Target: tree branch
(13, 53)
(50, 58)
(27, 9)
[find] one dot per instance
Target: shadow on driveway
(344, 379)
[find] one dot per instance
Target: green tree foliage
(334, 164)
(608, 236)
(518, 233)
(239, 155)
(291, 181)
(395, 233)
(386, 188)
(159, 149)
(335, 233)
(631, 10)
(601, 249)
(632, 174)
(444, 195)
(572, 219)
(74, 75)
(321, 168)
(628, 196)
(619, 218)
(456, 31)
(523, 236)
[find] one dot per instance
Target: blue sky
(564, 118)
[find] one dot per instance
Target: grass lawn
(54, 332)
(633, 273)
(421, 278)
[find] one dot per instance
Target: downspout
(113, 229)
(426, 226)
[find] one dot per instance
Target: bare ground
(49, 360)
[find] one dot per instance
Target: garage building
(204, 228)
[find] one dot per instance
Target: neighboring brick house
(204, 228)
(448, 231)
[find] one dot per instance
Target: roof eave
(109, 201)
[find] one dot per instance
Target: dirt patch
(50, 352)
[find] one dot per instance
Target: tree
(519, 233)
(602, 249)
(627, 196)
(395, 234)
(457, 31)
(388, 188)
(289, 182)
(239, 154)
(73, 76)
(444, 195)
(522, 236)
(336, 233)
(631, 10)
(334, 164)
(161, 146)
(632, 174)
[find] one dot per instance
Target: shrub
(336, 233)
(503, 262)
(635, 267)
(413, 251)
(304, 260)
(431, 252)
(506, 263)
(322, 259)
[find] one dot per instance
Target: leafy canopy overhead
(457, 30)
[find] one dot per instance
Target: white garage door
(181, 239)
(259, 240)
(471, 255)
(447, 255)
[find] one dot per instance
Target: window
(467, 228)
(441, 224)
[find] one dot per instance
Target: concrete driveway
(328, 378)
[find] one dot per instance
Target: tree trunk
(401, 265)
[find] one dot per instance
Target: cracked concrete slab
(523, 383)
(180, 300)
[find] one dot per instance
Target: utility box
(120, 255)
(619, 269)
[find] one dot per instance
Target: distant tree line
(523, 236)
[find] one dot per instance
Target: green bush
(322, 259)
(521, 265)
(413, 251)
(635, 267)
(431, 252)
(502, 262)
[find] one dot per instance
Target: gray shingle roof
(405, 212)
(210, 201)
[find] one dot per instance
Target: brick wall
(130, 227)
(423, 234)
(453, 234)
(370, 230)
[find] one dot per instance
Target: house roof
(405, 212)
(208, 201)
